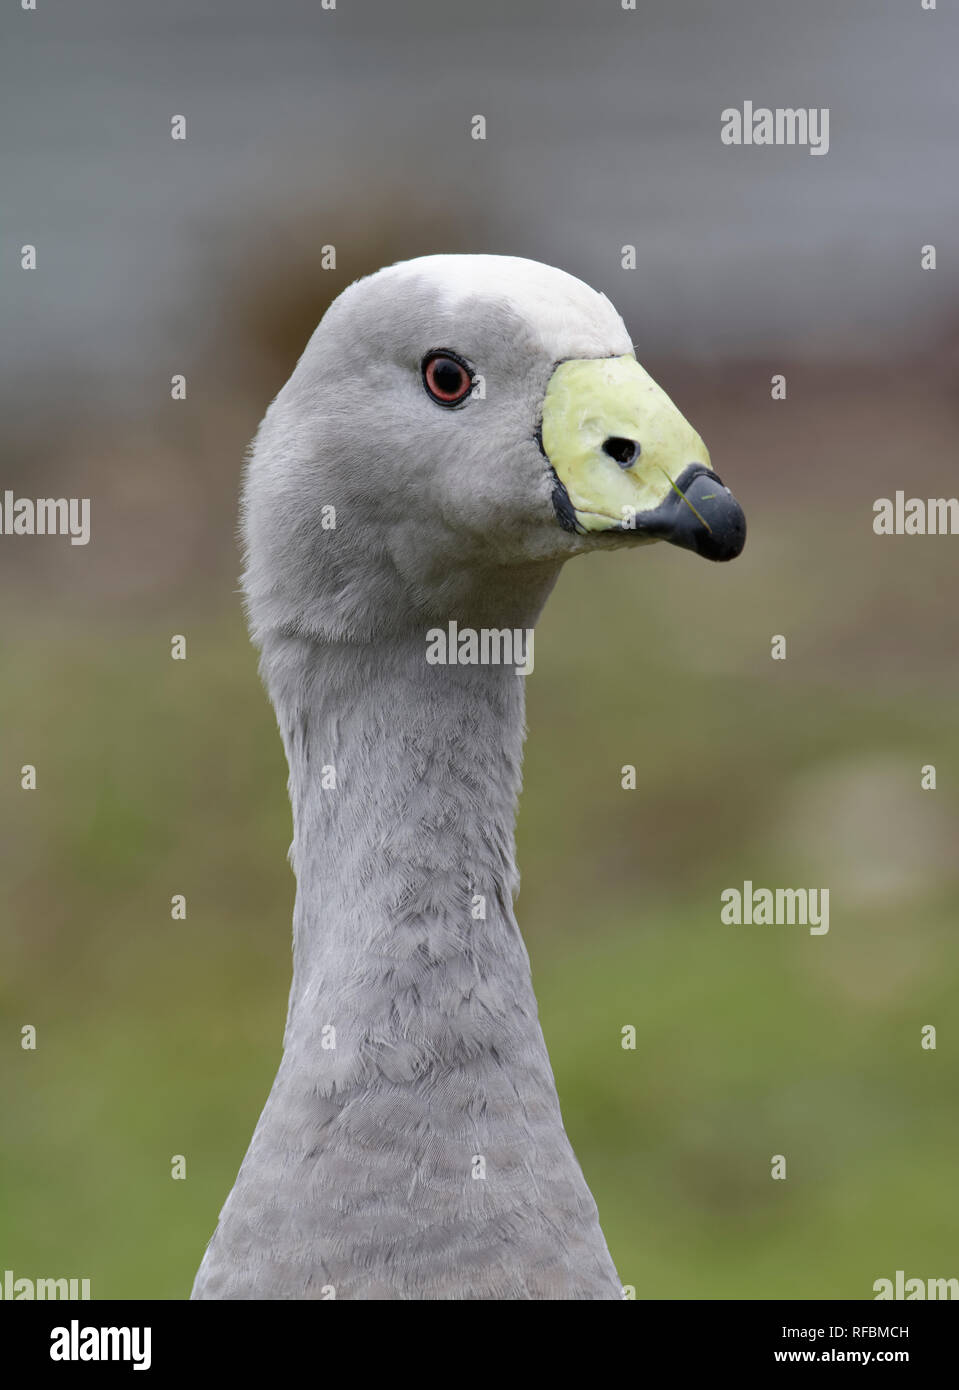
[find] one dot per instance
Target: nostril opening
(624, 451)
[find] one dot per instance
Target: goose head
(459, 426)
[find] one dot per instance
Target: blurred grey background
(603, 129)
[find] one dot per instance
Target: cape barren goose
(469, 423)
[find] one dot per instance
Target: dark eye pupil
(447, 376)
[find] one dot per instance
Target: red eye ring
(447, 377)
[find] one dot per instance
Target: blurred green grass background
(159, 1037)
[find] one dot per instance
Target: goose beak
(626, 461)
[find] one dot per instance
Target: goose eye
(447, 378)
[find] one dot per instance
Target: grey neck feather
(412, 1145)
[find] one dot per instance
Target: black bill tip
(700, 514)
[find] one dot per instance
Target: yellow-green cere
(591, 400)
